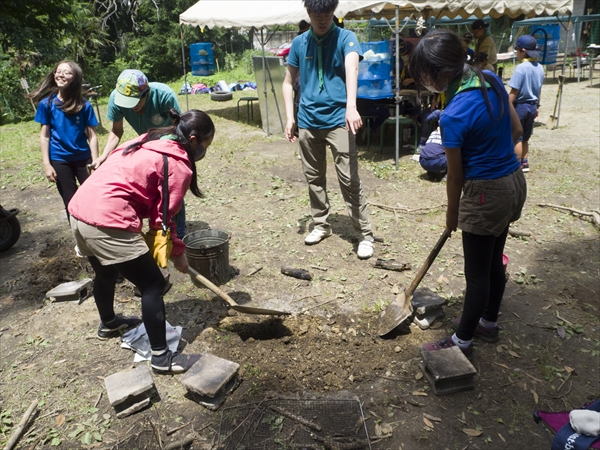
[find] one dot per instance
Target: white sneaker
(316, 236)
(78, 252)
(415, 157)
(365, 249)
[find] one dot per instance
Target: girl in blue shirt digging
(485, 185)
(68, 137)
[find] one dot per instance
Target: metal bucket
(207, 252)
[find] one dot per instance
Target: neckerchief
(170, 137)
(467, 82)
(528, 59)
(479, 41)
(319, 41)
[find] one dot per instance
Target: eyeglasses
(63, 73)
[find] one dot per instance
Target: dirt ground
(547, 358)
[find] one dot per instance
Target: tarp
(268, 13)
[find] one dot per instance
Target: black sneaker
(117, 326)
(491, 334)
(169, 363)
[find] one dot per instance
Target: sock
(160, 352)
(487, 324)
(460, 343)
(422, 141)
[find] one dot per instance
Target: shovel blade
(396, 313)
(259, 311)
(551, 123)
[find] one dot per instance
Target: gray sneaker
(170, 363)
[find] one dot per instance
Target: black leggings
(486, 280)
(67, 173)
(145, 274)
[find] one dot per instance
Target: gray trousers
(313, 152)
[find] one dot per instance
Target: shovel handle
(428, 262)
(206, 282)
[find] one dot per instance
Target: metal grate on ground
(279, 424)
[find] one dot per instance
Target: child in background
(525, 92)
(68, 138)
(481, 59)
(433, 156)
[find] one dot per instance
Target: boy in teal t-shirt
(325, 59)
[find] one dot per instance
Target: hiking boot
(485, 334)
(316, 236)
(447, 343)
(118, 326)
(170, 363)
(365, 249)
(525, 165)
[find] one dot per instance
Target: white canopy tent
(264, 13)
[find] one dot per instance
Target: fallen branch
(593, 214)
(19, 430)
(517, 233)
(258, 269)
(181, 443)
(296, 418)
(315, 306)
(324, 269)
(173, 430)
(404, 208)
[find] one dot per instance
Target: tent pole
(262, 45)
(187, 104)
(397, 38)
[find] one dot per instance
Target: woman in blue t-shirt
(68, 137)
(479, 128)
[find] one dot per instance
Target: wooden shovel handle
(206, 282)
(428, 262)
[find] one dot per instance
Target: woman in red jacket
(107, 214)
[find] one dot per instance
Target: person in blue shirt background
(326, 60)
(485, 186)
(68, 136)
(525, 92)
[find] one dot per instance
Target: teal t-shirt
(323, 109)
(161, 99)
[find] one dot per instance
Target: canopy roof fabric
(265, 13)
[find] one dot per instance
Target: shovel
(232, 304)
(398, 311)
(553, 119)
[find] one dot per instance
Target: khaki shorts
(489, 206)
(109, 245)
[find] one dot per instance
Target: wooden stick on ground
(19, 430)
(404, 208)
(594, 215)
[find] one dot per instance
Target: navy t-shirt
(485, 141)
(68, 141)
(323, 109)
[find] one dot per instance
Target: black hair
(321, 6)
(191, 123)
(72, 97)
(441, 54)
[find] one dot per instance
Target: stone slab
(214, 403)
(426, 320)
(209, 375)
(130, 387)
(71, 291)
(448, 370)
(425, 300)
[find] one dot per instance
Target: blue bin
(202, 59)
(548, 39)
(375, 89)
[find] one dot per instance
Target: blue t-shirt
(323, 109)
(486, 142)
(68, 141)
(527, 78)
(160, 100)
(433, 149)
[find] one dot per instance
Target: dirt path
(254, 189)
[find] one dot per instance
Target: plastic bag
(160, 246)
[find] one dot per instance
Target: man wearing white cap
(144, 105)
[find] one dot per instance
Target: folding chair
(565, 437)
